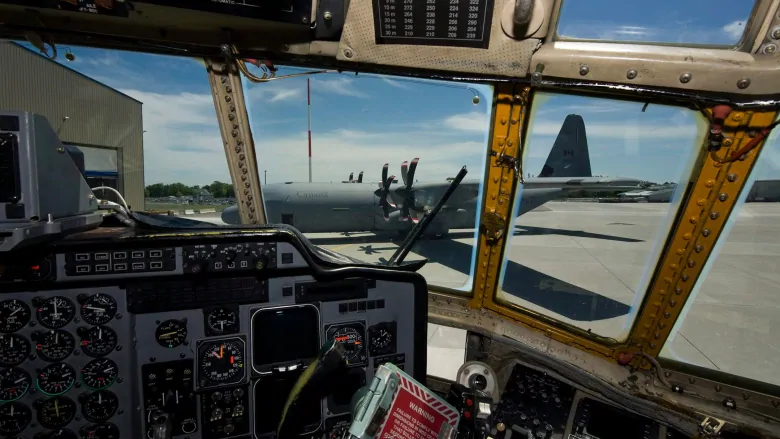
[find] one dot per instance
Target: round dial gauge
(55, 312)
(351, 336)
(98, 309)
(222, 321)
(14, 383)
(98, 341)
(56, 379)
(99, 374)
(57, 412)
(100, 431)
(99, 406)
(13, 349)
(14, 314)
(171, 333)
(381, 338)
(221, 362)
(54, 345)
(14, 418)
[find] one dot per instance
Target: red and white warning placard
(416, 414)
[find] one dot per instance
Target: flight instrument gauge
(14, 383)
(14, 418)
(56, 412)
(55, 312)
(56, 379)
(99, 406)
(99, 373)
(351, 336)
(100, 431)
(13, 349)
(171, 333)
(381, 338)
(97, 341)
(222, 320)
(98, 309)
(54, 345)
(221, 362)
(14, 314)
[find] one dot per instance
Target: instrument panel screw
(348, 53)
(224, 79)
(475, 100)
(732, 177)
(678, 291)
(743, 83)
(229, 89)
(631, 74)
(685, 78)
(503, 121)
(691, 263)
(714, 215)
(584, 70)
(667, 315)
(305, 20)
(228, 99)
(729, 403)
(705, 232)
(723, 197)
(684, 277)
(327, 15)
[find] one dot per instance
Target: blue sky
(361, 122)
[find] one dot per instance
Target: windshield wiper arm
(420, 227)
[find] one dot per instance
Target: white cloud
(394, 83)
(339, 86)
(277, 91)
(611, 130)
(735, 29)
(474, 121)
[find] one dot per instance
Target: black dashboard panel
(214, 348)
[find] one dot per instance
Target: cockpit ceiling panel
(504, 56)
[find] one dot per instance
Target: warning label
(415, 414)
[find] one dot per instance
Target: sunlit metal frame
(233, 119)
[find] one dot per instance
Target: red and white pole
(308, 106)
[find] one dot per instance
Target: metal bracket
(228, 94)
(710, 427)
(508, 161)
(493, 226)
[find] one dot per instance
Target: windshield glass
(732, 319)
(705, 22)
(600, 194)
(330, 190)
(171, 159)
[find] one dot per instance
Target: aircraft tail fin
(569, 156)
(360, 177)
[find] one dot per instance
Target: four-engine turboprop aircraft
(362, 207)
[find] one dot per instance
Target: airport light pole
(308, 108)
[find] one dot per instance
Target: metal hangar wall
(103, 123)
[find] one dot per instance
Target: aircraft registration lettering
(312, 194)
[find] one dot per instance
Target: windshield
(691, 22)
(732, 320)
(331, 189)
(172, 160)
(600, 196)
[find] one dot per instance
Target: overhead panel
(448, 35)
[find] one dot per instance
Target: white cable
(121, 198)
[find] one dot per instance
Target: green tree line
(217, 189)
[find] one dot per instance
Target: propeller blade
(404, 171)
(360, 177)
(388, 182)
(405, 213)
(351, 174)
(386, 211)
(384, 173)
(410, 176)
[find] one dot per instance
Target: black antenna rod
(420, 227)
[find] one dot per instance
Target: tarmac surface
(583, 263)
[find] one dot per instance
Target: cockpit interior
(486, 219)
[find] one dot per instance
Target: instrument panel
(215, 339)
